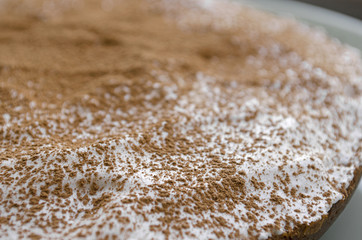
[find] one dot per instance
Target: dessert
(172, 119)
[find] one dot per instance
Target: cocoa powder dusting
(154, 119)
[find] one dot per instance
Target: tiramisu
(178, 119)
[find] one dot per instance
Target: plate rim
(345, 28)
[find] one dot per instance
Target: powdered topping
(168, 119)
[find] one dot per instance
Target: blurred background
(349, 7)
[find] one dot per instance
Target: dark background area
(350, 7)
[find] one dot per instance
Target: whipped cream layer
(169, 119)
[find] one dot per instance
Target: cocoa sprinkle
(163, 119)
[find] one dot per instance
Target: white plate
(340, 26)
(348, 30)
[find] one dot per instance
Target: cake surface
(155, 119)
